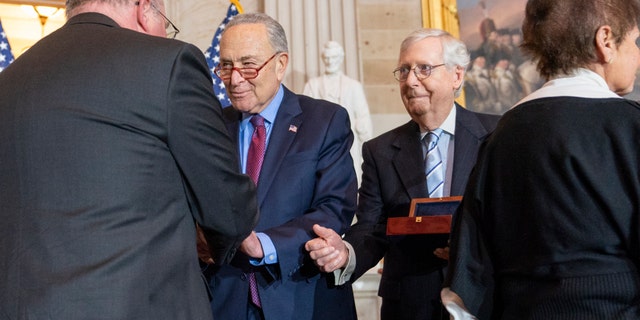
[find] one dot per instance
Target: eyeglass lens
(421, 71)
(224, 72)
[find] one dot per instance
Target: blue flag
(6, 57)
(213, 55)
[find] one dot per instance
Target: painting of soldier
(499, 74)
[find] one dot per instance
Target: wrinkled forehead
(245, 40)
(428, 50)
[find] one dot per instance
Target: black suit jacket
(112, 144)
(393, 174)
(307, 177)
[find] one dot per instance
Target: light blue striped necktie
(433, 164)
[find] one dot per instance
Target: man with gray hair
(113, 150)
(430, 73)
(296, 150)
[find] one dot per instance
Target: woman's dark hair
(560, 34)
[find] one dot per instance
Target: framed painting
(499, 74)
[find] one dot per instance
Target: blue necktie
(433, 164)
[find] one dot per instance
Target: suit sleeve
(333, 198)
(222, 200)
(470, 271)
(368, 235)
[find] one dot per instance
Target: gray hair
(72, 5)
(277, 36)
(454, 51)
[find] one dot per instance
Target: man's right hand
(328, 251)
(203, 248)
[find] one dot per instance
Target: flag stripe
(6, 57)
(213, 56)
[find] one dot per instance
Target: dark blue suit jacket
(393, 174)
(307, 177)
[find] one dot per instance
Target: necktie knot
(432, 137)
(257, 121)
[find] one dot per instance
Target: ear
(142, 12)
(605, 44)
(281, 65)
(458, 76)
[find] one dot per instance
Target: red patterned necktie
(255, 156)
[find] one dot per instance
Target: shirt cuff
(455, 305)
(341, 276)
(269, 250)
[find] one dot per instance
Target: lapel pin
(293, 128)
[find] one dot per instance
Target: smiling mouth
(238, 94)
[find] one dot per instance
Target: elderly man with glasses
(113, 151)
(397, 168)
(296, 149)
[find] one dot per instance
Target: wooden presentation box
(426, 216)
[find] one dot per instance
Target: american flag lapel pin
(293, 128)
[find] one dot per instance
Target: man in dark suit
(430, 73)
(306, 177)
(113, 147)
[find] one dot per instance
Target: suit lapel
(468, 137)
(282, 136)
(232, 118)
(408, 157)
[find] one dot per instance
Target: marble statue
(336, 87)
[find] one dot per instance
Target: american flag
(6, 57)
(213, 54)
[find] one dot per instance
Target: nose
(236, 77)
(412, 79)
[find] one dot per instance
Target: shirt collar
(269, 113)
(449, 124)
(580, 82)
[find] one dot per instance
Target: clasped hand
(250, 246)
(328, 251)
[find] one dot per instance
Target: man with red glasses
(297, 151)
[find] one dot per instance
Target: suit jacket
(393, 174)
(112, 144)
(307, 177)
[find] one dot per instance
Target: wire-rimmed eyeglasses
(421, 71)
(171, 28)
(224, 72)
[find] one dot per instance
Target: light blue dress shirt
(246, 131)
